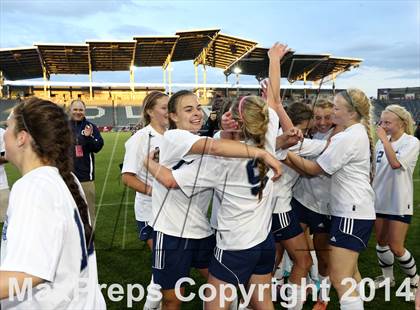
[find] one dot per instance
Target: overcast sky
(385, 34)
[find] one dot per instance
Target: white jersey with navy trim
(240, 218)
(137, 148)
(394, 187)
(283, 186)
(174, 213)
(312, 192)
(43, 236)
(347, 160)
(3, 177)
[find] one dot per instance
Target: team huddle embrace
(273, 194)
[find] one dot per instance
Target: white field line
(125, 221)
(106, 178)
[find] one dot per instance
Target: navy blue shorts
(400, 218)
(145, 231)
(236, 267)
(317, 222)
(173, 257)
(351, 234)
(285, 226)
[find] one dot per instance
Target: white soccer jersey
(137, 148)
(314, 192)
(3, 177)
(283, 187)
(174, 213)
(394, 187)
(241, 220)
(43, 236)
(347, 160)
(239, 217)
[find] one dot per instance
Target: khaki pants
(4, 202)
(89, 189)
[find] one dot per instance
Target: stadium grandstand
(408, 97)
(119, 104)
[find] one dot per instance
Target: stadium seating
(413, 106)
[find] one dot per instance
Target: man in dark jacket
(88, 141)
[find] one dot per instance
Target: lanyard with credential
(78, 148)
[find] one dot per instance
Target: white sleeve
(309, 147)
(272, 132)
(408, 153)
(217, 135)
(336, 155)
(2, 140)
(34, 236)
(177, 143)
(134, 155)
(199, 175)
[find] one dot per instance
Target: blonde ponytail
(254, 118)
(361, 104)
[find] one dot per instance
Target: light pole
(237, 71)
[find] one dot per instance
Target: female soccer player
(47, 241)
(137, 148)
(397, 152)
(241, 211)
(349, 161)
(285, 226)
(182, 235)
(311, 199)
(136, 176)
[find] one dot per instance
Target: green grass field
(124, 259)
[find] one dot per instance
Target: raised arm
(275, 54)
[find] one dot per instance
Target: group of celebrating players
(308, 182)
(334, 184)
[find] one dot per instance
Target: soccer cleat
(320, 305)
(379, 282)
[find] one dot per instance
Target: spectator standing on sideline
(417, 131)
(87, 141)
(4, 186)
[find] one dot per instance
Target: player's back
(46, 217)
(243, 219)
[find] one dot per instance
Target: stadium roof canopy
(111, 55)
(207, 47)
(20, 63)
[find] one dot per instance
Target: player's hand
(228, 123)
(295, 133)
(277, 51)
(153, 155)
(87, 132)
(289, 138)
(274, 164)
(380, 132)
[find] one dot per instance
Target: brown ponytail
(52, 141)
(149, 103)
